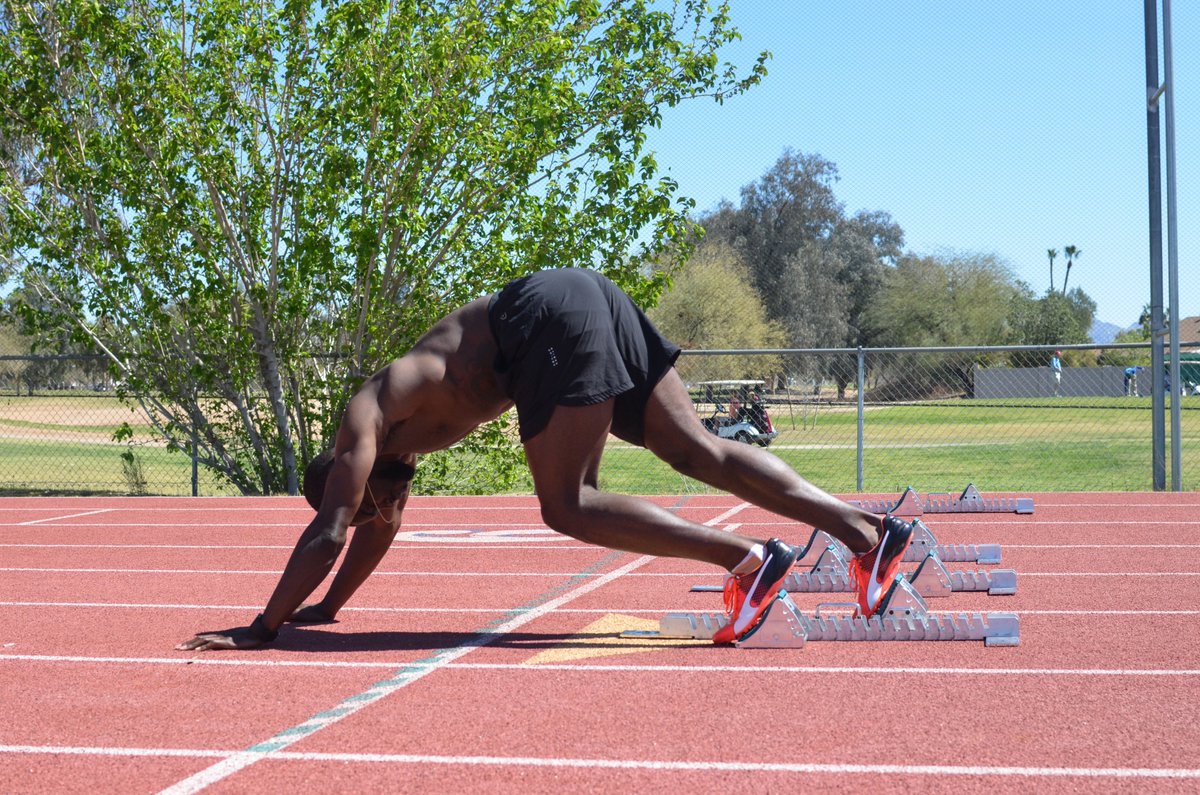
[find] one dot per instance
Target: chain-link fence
(878, 420)
(874, 420)
(64, 430)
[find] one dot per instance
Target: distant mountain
(1103, 333)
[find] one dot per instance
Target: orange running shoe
(748, 596)
(872, 572)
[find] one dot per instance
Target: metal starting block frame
(931, 579)
(923, 545)
(903, 616)
(911, 504)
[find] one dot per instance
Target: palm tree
(1072, 253)
(1052, 253)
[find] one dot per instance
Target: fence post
(861, 383)
(195, 461)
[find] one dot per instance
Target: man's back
(439, 391)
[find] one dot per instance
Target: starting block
(902, 616)
(911, 504)
(923, 544)
(931, 579)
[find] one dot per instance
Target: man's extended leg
(564, 459)
(674, 433)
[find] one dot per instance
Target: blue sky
(1005, 128)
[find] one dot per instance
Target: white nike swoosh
(873, 587)
(744, 615)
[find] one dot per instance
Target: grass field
(1052, 445)
(64, 445)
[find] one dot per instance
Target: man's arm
(319, 545)
(311, 560)
(368, 545)
(371, 540)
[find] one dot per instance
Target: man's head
(387, 482)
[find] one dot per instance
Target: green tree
(263, 202)
(864, 246)
(789, 207)
(1053, 319)
(711, 305)
(1127, 357)
(815, 269)
(1072, 254)
(942, 301)
(12, 371)
(1052, 254)
(945, 300)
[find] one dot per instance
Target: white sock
(753, 559)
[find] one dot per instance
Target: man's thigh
(673, 428)
(565, 455)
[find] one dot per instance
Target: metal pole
(862, 380)
(195, 461)
(1157, 427)
(1172, 264)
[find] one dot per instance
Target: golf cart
(734, 410)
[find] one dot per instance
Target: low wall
(1025, 382)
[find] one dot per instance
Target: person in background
(1131, 374)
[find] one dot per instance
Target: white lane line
(512, 543)
(693, 575)
(406, 675)
(403, 677)
(295, 525)
(936, 521)
(408, 546)
(1109, 574)
(60, 518)
(631, 764)
(149, 546)
(1097, 546)
(611, 668)
(1098, 612)
(148, 606)
(50, 570)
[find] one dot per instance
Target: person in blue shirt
(1131, 381)
(1056, 368)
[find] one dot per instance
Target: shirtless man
(580, 361)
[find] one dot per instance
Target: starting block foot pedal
(932, 580)
(924, 544)
(909, 506)
(971, 501)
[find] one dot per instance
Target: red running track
(485, 656)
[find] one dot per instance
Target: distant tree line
(789, 267)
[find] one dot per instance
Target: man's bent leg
(674, 433)
(564, 459)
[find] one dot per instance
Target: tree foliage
(815, 268)
(251, 206)
(945, 300)
(712, 305)
(1053, 319)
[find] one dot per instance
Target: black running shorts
(570, 337)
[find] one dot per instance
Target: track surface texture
(485, 656)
